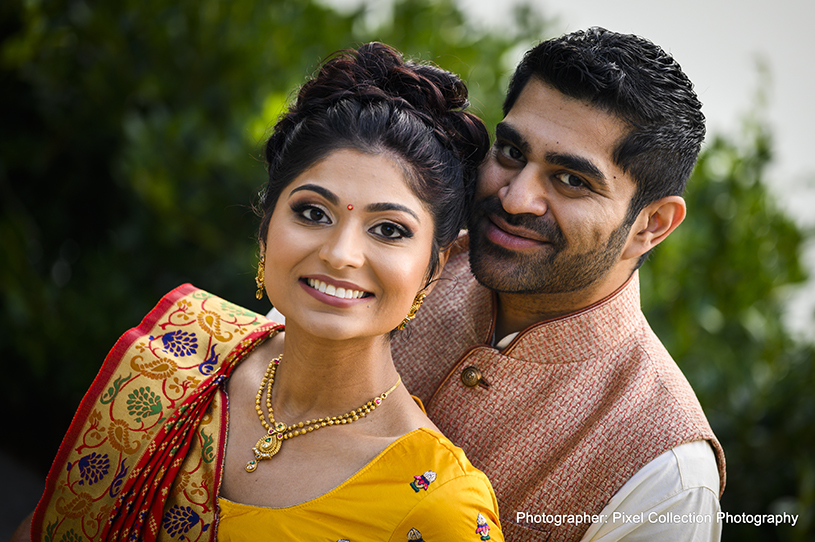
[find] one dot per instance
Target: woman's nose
(344, 248)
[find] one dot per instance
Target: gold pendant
(266, 447)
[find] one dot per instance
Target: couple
(542, 367)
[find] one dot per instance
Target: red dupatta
(142, 458)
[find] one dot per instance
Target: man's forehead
(542, 116)
(559, 131)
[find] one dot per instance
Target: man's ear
(653, 225)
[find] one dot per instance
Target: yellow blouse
(421, 487)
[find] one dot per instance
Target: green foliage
(131, 149)
(712, 292)
(131, 154)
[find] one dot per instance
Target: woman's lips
(335, 293)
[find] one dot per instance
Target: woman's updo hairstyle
(372, 101)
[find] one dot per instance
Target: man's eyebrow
(579, 164)
(379, 207)
(508, 133)
(324, 192)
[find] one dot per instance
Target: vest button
(470, 376)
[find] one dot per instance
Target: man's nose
(524, 193)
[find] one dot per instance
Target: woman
(370, 173)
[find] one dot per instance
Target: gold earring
(259, 280)
(417, 302)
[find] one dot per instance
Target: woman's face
(348, 247)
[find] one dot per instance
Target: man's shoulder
(682, 484)
(691, 465)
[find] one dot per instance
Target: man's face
(550, 204)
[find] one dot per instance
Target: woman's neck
(318, 377)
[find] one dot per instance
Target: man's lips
(500, 232)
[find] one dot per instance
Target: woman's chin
(337, 328)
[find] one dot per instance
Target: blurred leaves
(131, 152)
(714, 293)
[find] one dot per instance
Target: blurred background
(130, 157)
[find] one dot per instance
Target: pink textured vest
(574, 406)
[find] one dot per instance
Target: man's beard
(552, 270)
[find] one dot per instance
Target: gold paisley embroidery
(179, 387)
(106, 511)
(76, 508)
(210, 322)
(95, 433)
(94, 418)
(157, 369)
(181, 482)
(119, 434)
(199, 491)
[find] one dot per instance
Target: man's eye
(570, 180)
(511, 151)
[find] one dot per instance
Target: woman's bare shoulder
(408, 415)
(23, 532)
(245, 377)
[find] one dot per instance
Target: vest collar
(583, 334)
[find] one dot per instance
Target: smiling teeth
(333, 291)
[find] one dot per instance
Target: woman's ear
(444, 255)
(654, 224)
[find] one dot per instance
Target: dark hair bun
(377, 73)
(371, 100)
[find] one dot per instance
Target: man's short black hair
(636, 81)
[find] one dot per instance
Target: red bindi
(350, 207)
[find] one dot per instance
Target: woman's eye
(314, 214)
(389, 231)
(570, 180)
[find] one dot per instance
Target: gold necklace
(269, 444)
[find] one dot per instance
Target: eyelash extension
(403, 231)
(300, 207)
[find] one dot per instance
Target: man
(540, 363)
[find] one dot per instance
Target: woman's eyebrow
(324, 192)
(379, 207)
(371, 208)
